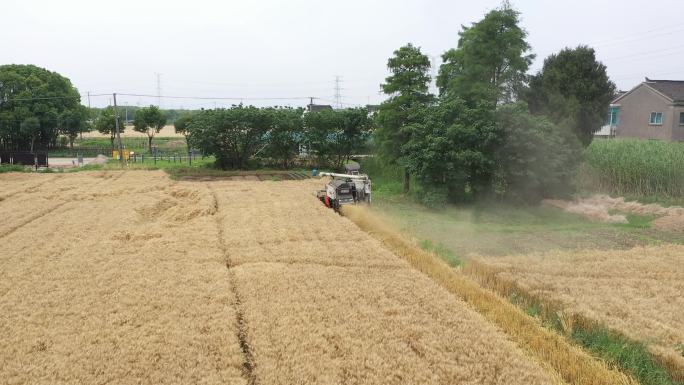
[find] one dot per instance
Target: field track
(134, 278)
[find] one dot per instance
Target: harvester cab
(343, 189)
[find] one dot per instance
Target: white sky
(294, 48)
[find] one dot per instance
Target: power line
(213, 98)
(640, 35)
(49, 98)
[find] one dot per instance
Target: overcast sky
(295, 48)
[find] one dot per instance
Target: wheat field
(128, 277)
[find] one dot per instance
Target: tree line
(247, 136)
(492, 130)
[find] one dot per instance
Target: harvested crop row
(324, 303)
(637, 292)
(100, 292)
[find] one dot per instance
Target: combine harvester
(343, 189)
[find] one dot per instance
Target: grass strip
(570, 362)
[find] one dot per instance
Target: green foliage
(333, 135)
(181, 123)
(285, 135)
(573, 89)
(106, 124)
(452, 151)
(629, 355)
(232, 135)
(407, 88)
(490, 62)
(635, 167)
(149, 120)
(11, 168)
(536, 158)
(73, 122)
(441, 251)
(32, 99)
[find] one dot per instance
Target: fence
(25, 158)
(160, 156)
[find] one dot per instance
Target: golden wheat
(128, 277)
(637, 292)
(572, 364)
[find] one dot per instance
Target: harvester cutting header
(349, 188)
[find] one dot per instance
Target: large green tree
(32, 99)
(73, 122)
(572, 89)
(232, 135)
(149, 120)
(285, 135)
(333, 135)
(490, 61)
(451, 151)
(408, 91)
(106, 124)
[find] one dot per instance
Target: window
(681, 118)
(656, 118)
(613, 114)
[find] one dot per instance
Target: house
(318, 107)
(652, 110)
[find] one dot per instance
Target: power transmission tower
(338, 91)
(158, 89)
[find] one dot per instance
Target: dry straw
(637, 292)
(573, 365)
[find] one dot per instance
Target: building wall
(635, 111)
(677, 129)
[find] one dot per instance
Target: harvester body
(345, 189)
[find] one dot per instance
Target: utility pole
(118, 133)
(338, 91)
(89, 112)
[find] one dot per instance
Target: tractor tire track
(32, 219)
(29, 189)
(248, 362)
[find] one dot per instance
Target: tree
(451, 151)
(490, 62)
(30, 128)
(572, 89)
(333, 135)
(285, 135)
(150, 121)
(28, 92)
(181, 123)
(407, 87)
(106, 124)
(536, 158)
(74, 122)
(233, 135)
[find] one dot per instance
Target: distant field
(130, 277)
(168, 131)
